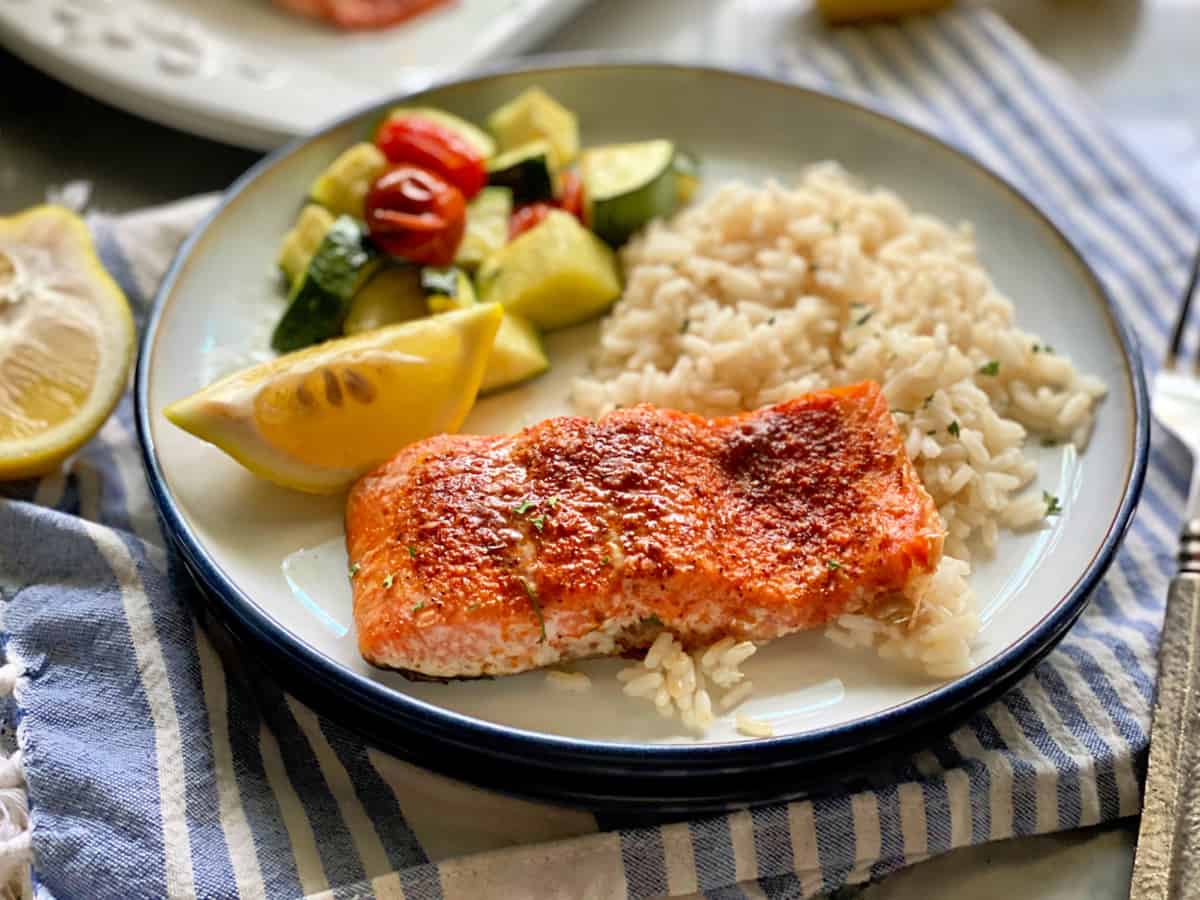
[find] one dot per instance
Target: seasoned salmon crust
(487, 555)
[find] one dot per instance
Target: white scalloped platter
(246, 73)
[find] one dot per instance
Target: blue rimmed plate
(272, 562)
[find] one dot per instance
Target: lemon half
(66, 340)
(316, 419)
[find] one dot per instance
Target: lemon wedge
(66, 340)
(316, 419)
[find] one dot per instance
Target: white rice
(760, 294)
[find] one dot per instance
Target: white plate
(216, 310)
(244, 72)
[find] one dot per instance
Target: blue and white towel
(152, 772)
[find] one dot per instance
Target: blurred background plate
(246, 73)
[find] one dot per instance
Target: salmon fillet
(360, 14)
(493, 554)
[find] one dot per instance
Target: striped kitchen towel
(150, 771)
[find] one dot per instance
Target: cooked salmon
(360, 14)
(487, 555)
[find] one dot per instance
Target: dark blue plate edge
(387, 707)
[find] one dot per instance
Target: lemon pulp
(316, 419)
(66, 340)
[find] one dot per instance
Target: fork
(1167, 864)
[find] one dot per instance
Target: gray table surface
(1140, 61)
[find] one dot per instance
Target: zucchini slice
(321, 298)
(343, 186)
(556, 274)
(528, 171)
(302, 241)
(517, 355)
(628, 185)
(487, 226)
(476, 137)
(447, 289)
(535, 115)
(687, 176)
(393, 295)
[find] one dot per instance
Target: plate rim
(236, 127)
(505, 741)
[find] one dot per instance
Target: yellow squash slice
(66, 340)
(316, 419)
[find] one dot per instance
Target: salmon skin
(476, 555)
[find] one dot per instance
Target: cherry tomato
(416, 215)
(571, 199)
(425, 143)
(525, 217)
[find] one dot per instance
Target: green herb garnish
(953, 428)
(521, 507)
(992, 368)
(864, 318)
(833, 565)
(770, 320)
(607, 559)
(925, 403)
(539, 522)
(412, 552)
(388, 579)
(1049, 442)
(1053, 507)
(537, 606)
(687, 323)
(931, 432)
(552, 502)
(1042, 348)
(418, 606)
(354, 569)
(473, 607)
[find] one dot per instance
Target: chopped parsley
(354, 569)
(1049, 442)
(1042, 348)
(925, 403)
(417, 607)
(606, 560)
(687, 323)
(412, 552)
(1053, 507)
(770, 320)
(552, 502)
(524, 505)
(953, 428)
(833, 565)
(388, 579)
(537, 606)
(992, 368)
(539, 522)
(473, 607)
(931, 432)
(864, 318)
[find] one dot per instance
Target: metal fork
(1167, 864)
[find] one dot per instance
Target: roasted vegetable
(342, 187)
(487, 226)
(302, 241)
(393, 295)
(628, 185)
(556, 274)
(528, 171)
(476, 137)
(535, 115)
(320, 300)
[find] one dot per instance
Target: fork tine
(1176, 344)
